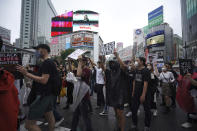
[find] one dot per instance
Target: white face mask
(164, 69)
(136, 64)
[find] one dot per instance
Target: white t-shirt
(166, 77)
(99, 76)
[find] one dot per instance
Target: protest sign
(108, 48)
(185, 66)
(9, 61)
(76, 54)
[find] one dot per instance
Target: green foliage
(65, 53)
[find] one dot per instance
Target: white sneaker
(155, 113)
(186, 125)
(59, 122)
(126, 105)
(103, 113)
(129, 114)
(138, 112)
(193, 116)
(38, 123)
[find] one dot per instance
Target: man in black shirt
(45, 95)
(141, 93)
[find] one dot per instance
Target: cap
(43, 46)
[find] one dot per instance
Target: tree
(66, 53)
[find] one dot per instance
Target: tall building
(178, 47)
(159, 43)
(36, 22)
(5, 35)
(189, 26)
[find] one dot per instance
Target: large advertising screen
(85, 20)
(62, 24)
(159, 39)
(82, 39)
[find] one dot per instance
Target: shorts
(40, 106)
(166, 90)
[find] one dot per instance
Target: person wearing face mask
(46, 79)
(153, 87)
(141, 93)
(167, 78)
(116, 90)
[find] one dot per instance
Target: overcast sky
(117, 20)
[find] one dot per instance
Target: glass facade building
(189, 26)
(36, 22)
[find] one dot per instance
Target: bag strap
(165, 78)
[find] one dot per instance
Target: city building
(119, 46)
(159, 44)
(36, 18)
(178, 47)
(189, 27)
(5, 35)
(85, 40)
(126, 53)
(17, 43)
(138, 43)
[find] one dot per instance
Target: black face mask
(114, 65)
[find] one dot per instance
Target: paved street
(170, 122)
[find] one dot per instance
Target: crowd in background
(116, 84)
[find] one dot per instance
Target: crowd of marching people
(117, 84)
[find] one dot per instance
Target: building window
(26, 30)
(25, 43)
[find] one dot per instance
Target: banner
(185, 66)
(9, 61)
(108, 48)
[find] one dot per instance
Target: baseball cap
(43, 46)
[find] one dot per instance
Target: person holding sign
(186, 92)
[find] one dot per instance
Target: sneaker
(146, 128)
(59, 122)
(155, 113)
(103, 113)
(138, 112)
(129, 114)
(126, 105)
(193, 116)
(186, 125)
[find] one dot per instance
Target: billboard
(85, 20)
(155, 17)
(155, 39)
(159, 39)
(62, 24)
(82, 39)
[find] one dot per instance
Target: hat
(43, 46)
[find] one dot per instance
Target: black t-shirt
(141, 76)
(47, 67)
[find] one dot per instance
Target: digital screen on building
(85, 20)
(159, 39)
(85, 40)
(62, 24)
